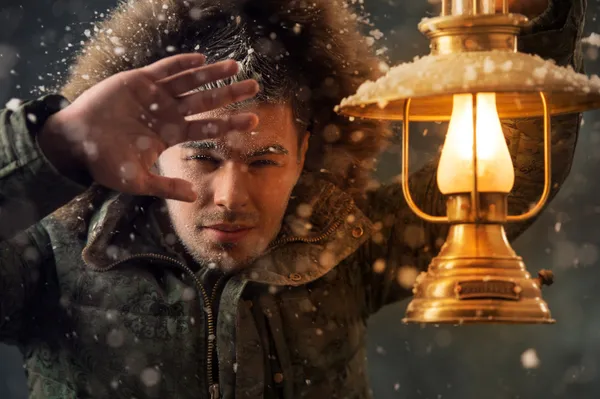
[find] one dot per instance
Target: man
(177, 232)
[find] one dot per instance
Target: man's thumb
(169, 188)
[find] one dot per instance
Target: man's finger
(208, 100)
(173, 65)
(191, 79)
(168, 188)
(202, 129)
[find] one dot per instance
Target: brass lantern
(473, 77)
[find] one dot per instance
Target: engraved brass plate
(490, 289)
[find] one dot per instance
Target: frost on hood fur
(319, 38)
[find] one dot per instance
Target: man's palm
(117, 129)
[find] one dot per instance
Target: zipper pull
(213, 390)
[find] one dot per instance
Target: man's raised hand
(116, 130)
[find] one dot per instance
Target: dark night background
(37, 40)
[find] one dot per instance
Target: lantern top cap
(432, 80)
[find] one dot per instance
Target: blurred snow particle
(115, 338)
(507, 66)
(31, 254)
(331, 133)
(304, 210)
(357, 136)
(210, 129)
(381, 50)
(188, 294)
(171, 49)
(195, 13)
(565, 254)
(443, 338)
(407, 275)
(376, 34)
(529, 359)
(379, 266)
(91, 149)
(143, 143)
(297, 29)
(170, 239)
(414, 236)
(116, 41)
(592, 53)
(32, 118)
(396, 386)
(111, 315)
(13, 104)
(488, 66)
(470, 73)
(327, 259)
(128, 170)
(557, 226)
(150, 377)
(593, 40)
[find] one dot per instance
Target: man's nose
(230, 187)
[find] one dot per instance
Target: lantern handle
(405, 173)
(547, 171)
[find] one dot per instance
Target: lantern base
(477, 277)
(452, 310)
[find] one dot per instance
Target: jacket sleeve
(403, 244)
(30, 189)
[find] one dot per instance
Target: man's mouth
(228, 233)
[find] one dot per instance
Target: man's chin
(226, 256)
(229, 258)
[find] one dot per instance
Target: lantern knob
(545, 277)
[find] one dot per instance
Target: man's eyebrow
(273, 149)
(200, 145)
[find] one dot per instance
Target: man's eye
(263, 162)
(204, 158)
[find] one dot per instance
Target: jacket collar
(322, 227)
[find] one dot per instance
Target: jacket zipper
(328, 231)
(213, 388)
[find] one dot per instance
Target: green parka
(112, 313)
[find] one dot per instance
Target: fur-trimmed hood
(321, 34)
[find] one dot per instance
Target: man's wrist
(64, 156)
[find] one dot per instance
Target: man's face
(244, 182)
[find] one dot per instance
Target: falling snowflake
(529, 359)
(150, 377)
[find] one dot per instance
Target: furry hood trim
(320, 36)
